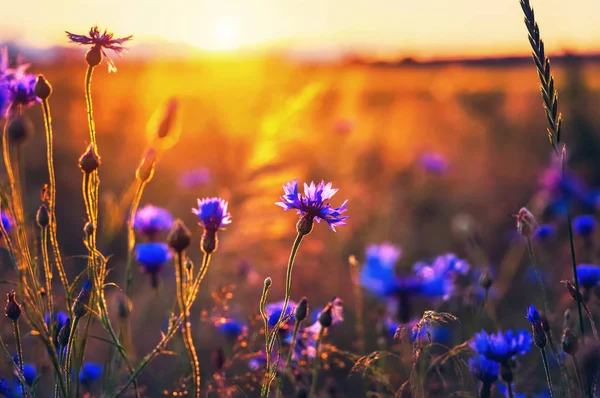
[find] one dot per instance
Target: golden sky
(409, 27)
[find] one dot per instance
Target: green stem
(538, 274)
(561, 364)
(289, 357)
(17, 367)
(547, 370)
(88, 102)
(265, 317)
(61, 359)
(186, 330)
(139, 190)
(69, 353)
(19, 349)
(315, 372)
(582, 386)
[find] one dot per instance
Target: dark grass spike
(542, 63)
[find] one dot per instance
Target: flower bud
(166, 124)
(268, 282)
(569, 342)
(485, 280)
(301, 310)
(13, 309)
(145, 170)
(80, 308)
(526, 223)
(189, 264)
(94, 56)
(64, 333)
(305, 225)
(89, 161)
(42, 88)
(43, 217)
(19, 128)
(180, 237)
(326, 317)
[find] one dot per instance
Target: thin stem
(538, 274)
(69, 353)
(289, 357)
(315, 372)
(186, 330)
(48, 275)
(263, 301)
(358, 305)
(139, 190)
(61, 361)
(561, 364)
(547, 370)
(88, 102)
(511, 394)
(575, 277)
(582, 386)
(19, 349)
(485, 391)
(17, 368)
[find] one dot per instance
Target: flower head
(313, 204)
(274, 311)
(377, 274)
(16, 86)
(7, 222)
(99, 42)
(212, 213)
(501, 347)
(90, 372)
(437, 278)
(533, 315)
(584, 225)
(150, 220)
(152, 256)
(483, 369)
(588, 275)
(537, 329)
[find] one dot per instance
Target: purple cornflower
(437, 278)
(99, 42)
(584, 225)
(150, 220)
(434, 163)
(212, 213)
(539, 336)
(483, 369)
(588, 275)
(501, 347)
(313, 205)
(16, 86)
(152, 257)
(377, 274)
(90, 372)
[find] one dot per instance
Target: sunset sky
(409, 27)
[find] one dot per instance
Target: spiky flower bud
(301, 310)
(189, 264)
(43, 216)
(145, 170)
(326, 316)
(42, 88)
(305, 225)
(90, 160)
(19, 128)
(180, 237)
(80, 308)
(94, 56)
(526, 223)
(13, 309)
(569, 342)
(64, 333)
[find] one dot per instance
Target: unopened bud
(166, 124)
(326, 316)
(13, 309)
(301, 310)
(539, 337)
(94, 56)
(145, 170)
(42, 88)
(189, 264)
(268, 282)
(19, 128)
(485, 280)
(64, 333)
(89, 161)
(180, 237)
(81, 302)
(43, 217)
(569, 342)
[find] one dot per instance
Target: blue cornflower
(58, 318)
(485, 370)
(533, 315)
(588, 275)
(152, 256)
(212, 213)
(377, 274)
(501, 347)
(90, 372)
(545, 232)
(21, 88)
(29, 373)
(151, 220)
(584, 225)
(229, 327)
(434, 163)
(99, 42)
(437, 278)
(6, 221)
(313, 204)
(537, 330)
(274, 311)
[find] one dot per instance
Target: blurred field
(256, 123)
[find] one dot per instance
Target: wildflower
(180, 237)
(584, 225)
(274, 311)
(151, 220)
(229, 327)
(6, 221)
(485, 280)
(588, 275)
(99, 42)
(13, 309)
(80, 308)
(485, 370)
(16, 86)
(194, 178)
(213, 215)
(377, 274)
(313, 205)
(545, 232)
(437, 278)
(90, 372)
(569, 342)
(90, 160)
(501, 347)
(332, 314)
(434, 163)
(526, 223)
(152, 257)
(539, 336)
(64, 333)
